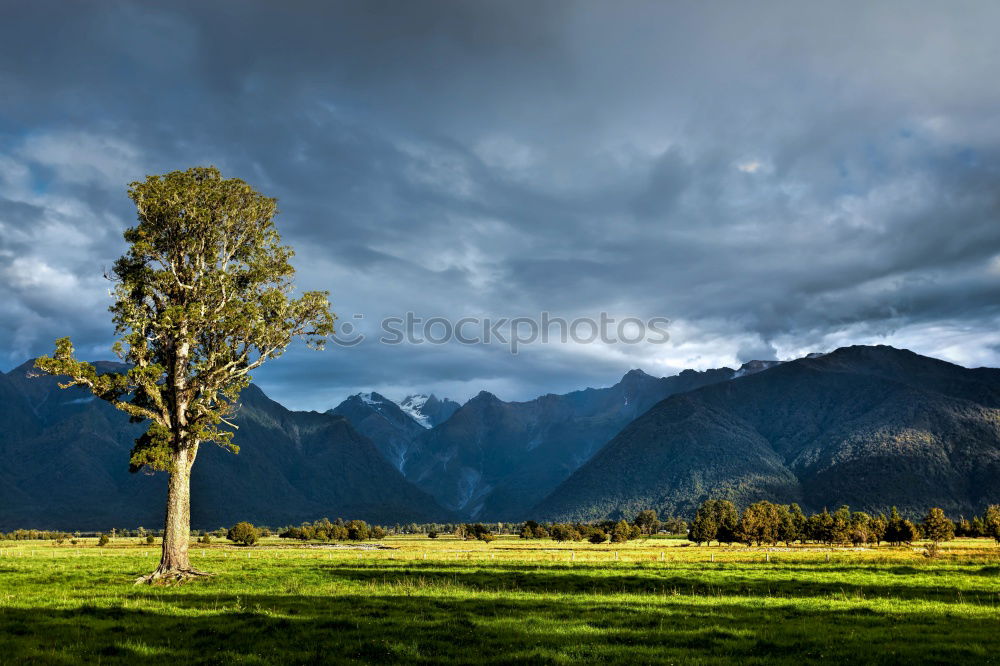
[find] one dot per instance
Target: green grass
(446, 600)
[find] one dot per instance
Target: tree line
(763, 523)
(645, 523)
(337, 530)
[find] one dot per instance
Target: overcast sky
(774, 178)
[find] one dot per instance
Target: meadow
(536, 601)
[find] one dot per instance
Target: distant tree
(703, 528)
(621, 532)
(937, 526)
(432, 534)
(860, 528)
(977, 528)
(104, 540)
(378, 532)
(597, 536)
(243, 533)
(899, 530)
(878, 526)
(991, 522)
(647, 521)
(761, 523)
(477, 531)
(820, 527)
(205, 539)
(840, 530)
(357, 530)
(794, 524)
(150, 539)
(675, 525)
(201, 300)
(715, 520)
(560, 532)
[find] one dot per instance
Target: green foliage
(476, 531)
(202, 298)
(243, 533)
(621, 532)
(762, 523)
(432, 534)
(647, 521)
(715, 520)
(205, 539)
(937, 527)
(104, 540)
(991, 522)
(898, 530)
(565, 532)
(358, 530)
(674, 525)
(597, 536)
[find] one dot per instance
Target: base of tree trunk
(166, 576)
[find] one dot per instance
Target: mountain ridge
(865, 426)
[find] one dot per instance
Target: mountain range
(867, 426)
(870, 427)
(66, 456)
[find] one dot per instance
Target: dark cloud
(775, 178)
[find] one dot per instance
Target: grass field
(446, 600)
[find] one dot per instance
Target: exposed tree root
(171, 576)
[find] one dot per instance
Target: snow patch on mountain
(413, 406)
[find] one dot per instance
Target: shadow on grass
(798, 582)
(454, 629)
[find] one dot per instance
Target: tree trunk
(175, 563)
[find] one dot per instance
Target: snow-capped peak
(413, 405)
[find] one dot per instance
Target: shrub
(243, 533)
(103, 541)
(150, 539)
(205, 539)
(432, 535)
(377, 532)
(357, 530)
(621, 533)
(597, 536)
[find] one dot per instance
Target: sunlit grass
(450, 600)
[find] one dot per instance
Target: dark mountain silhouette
(66, 455)
(392, 430)
(869, 427)
(493, 460)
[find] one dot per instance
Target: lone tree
(242, 533)
(937, 527)
(203, 296)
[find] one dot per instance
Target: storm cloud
(774, 178)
